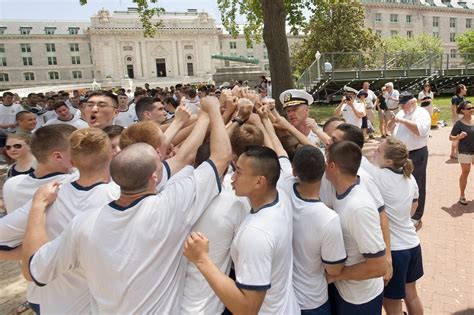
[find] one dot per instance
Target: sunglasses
(16, 146)
(469, 108)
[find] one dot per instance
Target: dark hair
(265, 163)
(8, 94)
(144, 105)
(192, 93)
(58, 105)
(352, 133)
(308, 164)
(113, 131)
(139, 92)
(108, 94)
(462, 106)
(460, 87)
(346, 155)
(171, 101)
(22, 113)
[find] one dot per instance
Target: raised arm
(181, 117)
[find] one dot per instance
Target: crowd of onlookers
(106, 188)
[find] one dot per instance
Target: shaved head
(132, 168)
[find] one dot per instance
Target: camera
(348, 97)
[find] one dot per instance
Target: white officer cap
(348, 89)
(295, 97)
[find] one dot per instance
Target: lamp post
(317, 55)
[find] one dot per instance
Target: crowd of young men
(199, 186)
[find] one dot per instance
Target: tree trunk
(274, 36)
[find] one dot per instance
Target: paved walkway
(447, 241)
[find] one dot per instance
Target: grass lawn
(322, 112)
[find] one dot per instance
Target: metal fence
(341, 66)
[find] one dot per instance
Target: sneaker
(463, 201)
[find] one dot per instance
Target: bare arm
(411, 125)
(181, 117)
(334, 269)
(338, 110)
(384, 225)
(368, 269)
(238, 301)
(36, 235)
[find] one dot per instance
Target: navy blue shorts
(407, 267)
(341, 307)
(3, 139)
(324, 309)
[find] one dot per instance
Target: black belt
(413, 151)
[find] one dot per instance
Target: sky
(71, 10)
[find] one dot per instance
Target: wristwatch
(238, 120)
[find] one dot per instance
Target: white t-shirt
(68, 293)
(349, 115)
(363, 239)
(193, 105)
(8, 114)
(50, 114)
(423, 123)
(126, 118)
(20, 189)
(317, 239)
(219, 223)
(139, 247)
(391, 103)
(76, 121)
(398, 193)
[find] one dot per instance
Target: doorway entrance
(190, 69)
(160, 67)
(130, 71)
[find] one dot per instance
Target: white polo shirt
(399, 193)
(391, 103)
(423, 123)
(76, 121)
(18, 190)
(219, 223)
(349, 115)
(363, 239)
(139, 247)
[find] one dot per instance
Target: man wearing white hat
(296, 105)
(351, 110)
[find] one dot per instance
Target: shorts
(324, 309)
(341, 307)
(388, 113)
(407, 268)
(364, 122)
(465, 158)
(3, 139)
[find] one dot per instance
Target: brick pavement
(446, 236)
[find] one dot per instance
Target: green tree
(466, 45)
(406, 52)
(335, 28)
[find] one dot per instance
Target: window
(2, 48)
(75, 60)
(49, 30)
(452, 37)
(73, 30)
(3, 61)
(233, 45)
(453, 53)
(435, 34)
(265, 53)
(266, 67)
(249, 55)
(452, 22)
(29, 76)
(74, 47)
(4, 77)
(393, 33)
(53, 75)
(409, 34)
(51, 47)
(468, 23)
(393, 18)
(77, 74)
(2, 30)
(435, 21)
(27, 61)
(52, 61)
(25, 48)
(250, 46)
(408, 19)
(25, 30)
(127, 48)
(378, 17)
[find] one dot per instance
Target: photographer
(351, 110)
